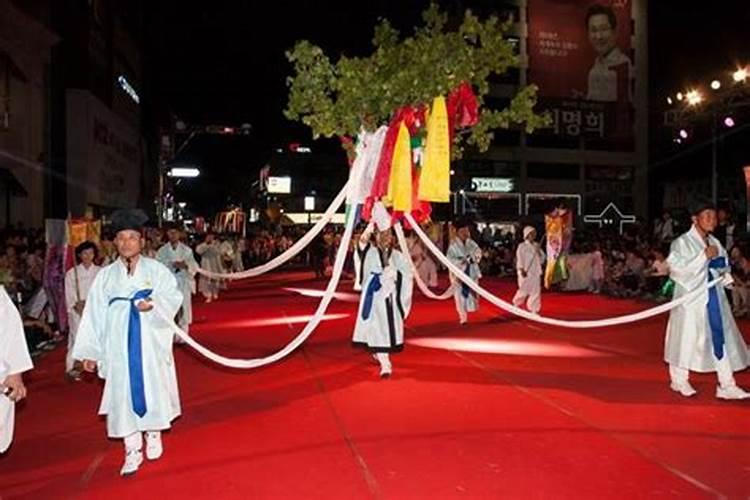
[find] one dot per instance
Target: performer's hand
(364, 238)
(89, 365)
(144, 305)
(728, 280)
(17, 389)
(712, 252)
(79, 307)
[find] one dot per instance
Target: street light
(740, 75)
(694, 97)
(716, 84)
(183, 172)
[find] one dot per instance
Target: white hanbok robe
(103, 337)
(168, 255)
(14, 358)
(78, 281)
(688, 342)
(465, 255)
(529, 258)
(383, 330)
(210, 261)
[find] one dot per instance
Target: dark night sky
(223, 61)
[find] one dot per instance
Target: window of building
(558, 171)
(543, 140)
(609, 173)
(490, 168)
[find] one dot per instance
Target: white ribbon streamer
(417, 278)
(291, 252)
(597, 323)
(338, 267)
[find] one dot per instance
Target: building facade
(590, 64)
(25, 53)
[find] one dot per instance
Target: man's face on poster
(602, 34)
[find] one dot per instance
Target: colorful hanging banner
(435, 177)
(559, 233)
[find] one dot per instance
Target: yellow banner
(399, 186)
(80, 230)
(434, 181)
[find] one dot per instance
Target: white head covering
(527, 231)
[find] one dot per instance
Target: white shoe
(133, 460)
(386, 371)
(683, 388)
(732, 392)
(154, 448)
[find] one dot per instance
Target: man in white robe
(14, 360)
(386, 299)
(702, 335)
(179, 258)
(465, 254)
(78, 281)
(122, 338)
(529, 259)
(210, 252)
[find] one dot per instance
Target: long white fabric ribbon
(597, 323)
(338, 267)
(336, 276)
(417, 278)
(291, 252)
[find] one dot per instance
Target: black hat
(128, 219)
(172, 225)
(86, 245)
(698, 205)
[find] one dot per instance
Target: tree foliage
(338, 99)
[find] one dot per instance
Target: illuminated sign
(125, 85)
(280, 185)
(610, 216)
(492, 184)
(310, 203)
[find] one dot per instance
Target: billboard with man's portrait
(580, 57)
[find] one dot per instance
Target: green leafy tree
(339, 99)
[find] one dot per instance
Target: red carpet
(501, 408)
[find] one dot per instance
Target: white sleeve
(70, 291)
(682, 267)
(89, 342)
(14, 354)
